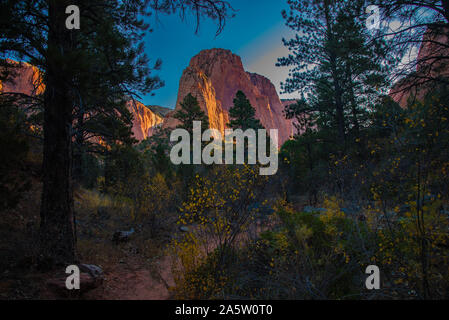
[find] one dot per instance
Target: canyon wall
(214, 76)
(432, 62)
(145, 121)
(27, 80)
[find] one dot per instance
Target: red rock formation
(214, 77)
(433, 56)
(27, 81)
(194, 80)
(145, 121)
(432, 62)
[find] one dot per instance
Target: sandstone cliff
(27, 80)
(432, 62)
(145, 121)
(214, 76)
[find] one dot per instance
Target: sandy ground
(126, 282)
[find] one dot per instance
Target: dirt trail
(125, 282)
(134, 280)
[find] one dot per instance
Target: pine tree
(87, 74)
(14, 146)
(242, 114)
(314, 59)
(191, 111)
(365, 65)
(334, 66)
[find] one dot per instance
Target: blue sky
(255, 34)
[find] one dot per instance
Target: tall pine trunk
(338, 103)
(57, 236)
(338, 92)
(78, 150)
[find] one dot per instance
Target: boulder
(122, 236)
(184, 229)
(91, 277)
(93, 270)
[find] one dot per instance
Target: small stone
(122, 236)
(184, 229)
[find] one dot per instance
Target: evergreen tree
(314, 60)
(14, 146)
(341, 74)
(334, 65)
(191, 111)
(86, 73)
(365, 65)
(242, 114)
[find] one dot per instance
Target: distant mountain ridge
(213, 76)
(162, 111)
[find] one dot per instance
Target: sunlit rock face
(194, 80)
(28, 81)
(214, 76)
(429, 65)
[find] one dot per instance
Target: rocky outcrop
(161, 111)
(27, 80)
(433, 56)
(145, 121)
(273, 115)
(90, 277)
(195, 80)
(432, 62)
(214, 76)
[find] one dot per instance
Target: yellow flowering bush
(218, 213)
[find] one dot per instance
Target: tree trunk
(338, 104)
(340, 118)
(78, 151)
(57, 236)
(355, 121)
